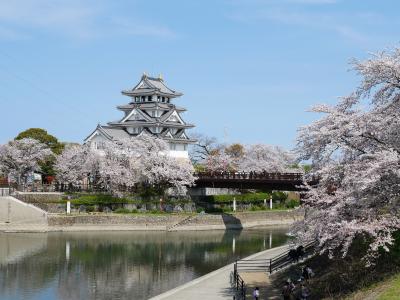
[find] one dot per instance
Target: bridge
(264, 181)
(252, 180)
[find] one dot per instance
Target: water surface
(118, 265)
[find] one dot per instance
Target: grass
(388, 289)
(393, 291)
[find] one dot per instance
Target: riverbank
(157, 222)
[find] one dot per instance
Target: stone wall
(176, 221)
(135, 221)
(38, 197)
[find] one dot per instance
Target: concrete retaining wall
(163, 222)
(33, 197)
(14, 211)
(136, 222)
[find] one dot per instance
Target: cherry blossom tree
(153, 165)
(118, 165)
(125, 164)
(20, 158)
(355, 152)
(219, 161)
(251, 158)
(75, 163)
(261, 157)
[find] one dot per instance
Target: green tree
(41, 135)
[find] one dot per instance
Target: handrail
(250, 175)
(239, 283)
(272, 264)
(5, 191)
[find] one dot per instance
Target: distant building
(150, 111)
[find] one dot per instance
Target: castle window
(163, 99)
(158, 98)
(143, 98)
(149, 98)
(172, 146)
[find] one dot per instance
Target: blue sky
(249, 69)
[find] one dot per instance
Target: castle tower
(150, 110)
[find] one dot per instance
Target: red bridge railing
(250, 176)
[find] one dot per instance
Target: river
(119, 265)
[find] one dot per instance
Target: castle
(151, 110)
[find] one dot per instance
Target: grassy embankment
(388, 289)
(348, 277)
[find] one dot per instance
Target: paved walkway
(216, 285)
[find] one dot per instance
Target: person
(305, 292)
(300, 252)
(305, 273)
(309, 272)
(293, 255)
(256, 293)
(288, 289)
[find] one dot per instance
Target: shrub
(100, 199)
(122, 211)
(292, 203)
(199, 210)
(279, 197)
(134, 211)
(214, 210)
(227, 209)
(249, 197)
(89, 208)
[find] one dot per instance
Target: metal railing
(251, 175)
(286, 258)
(5, 191)
(272, 264)
(239, 283)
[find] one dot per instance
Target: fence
(57, 187)
(5, 191)
(268, 265)
(251, 175)
(239, 284)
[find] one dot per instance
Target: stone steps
(181, 223)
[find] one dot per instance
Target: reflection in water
(118, 265)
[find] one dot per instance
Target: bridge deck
(252, 180)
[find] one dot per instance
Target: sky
(249, 69)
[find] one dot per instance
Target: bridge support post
(234, 204)
(270, 202)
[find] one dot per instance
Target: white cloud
(73, 18)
